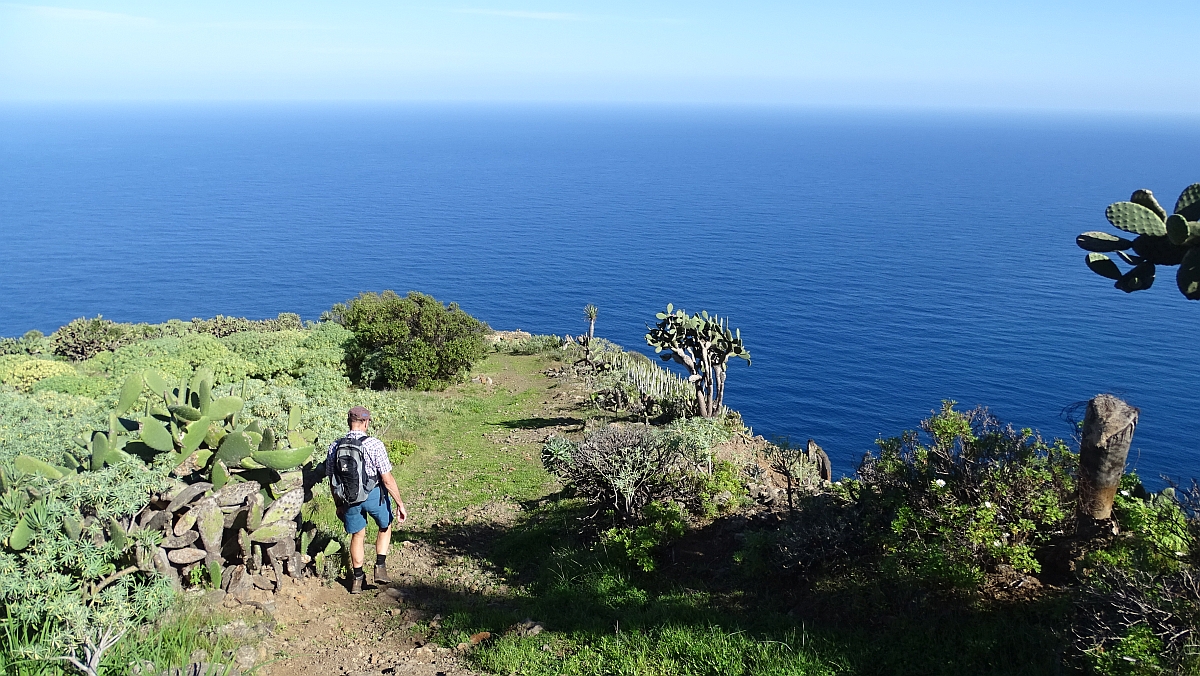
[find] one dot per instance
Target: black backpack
(349, 482)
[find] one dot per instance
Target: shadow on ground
(710, 608)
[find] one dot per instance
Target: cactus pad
(22, 534)
(1135, 218)
(1188, 275)
(234, 447)
(285, 459)
(1158, 250)
(130, 391)
(236, 493)
(224, 407)
(184, 412)
(210, 521)
(195, 435)
(156, 383)
(1141, 277)
(1102, 242)
(287, 507)
(156, 436)
(185, 496)
(186, 556)
(1103, 266)
(1188, 204)
(274, 532)
(29, 465)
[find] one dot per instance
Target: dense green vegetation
(413, 342)
(649, 540)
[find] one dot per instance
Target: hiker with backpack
(360, 479)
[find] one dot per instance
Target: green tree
(414, 341)
(701, 344)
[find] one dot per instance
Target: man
(359, 474)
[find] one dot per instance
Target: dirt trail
(322, 629)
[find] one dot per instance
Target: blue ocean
(876, 263)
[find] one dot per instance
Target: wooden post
(1107, 432)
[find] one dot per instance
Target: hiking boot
(381, 576)
(356, 584)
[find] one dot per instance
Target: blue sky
(1096, 55)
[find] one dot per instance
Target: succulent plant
(701, 344)
(1161, 239)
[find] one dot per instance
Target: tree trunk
(1107, 432)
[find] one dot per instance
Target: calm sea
(876, 264)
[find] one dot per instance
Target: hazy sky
(1098, 55)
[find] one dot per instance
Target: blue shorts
(377, 504)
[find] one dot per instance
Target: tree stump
(1107, 432)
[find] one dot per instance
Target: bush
(531, 345)
(32, 343)
(23, 373)
(413, 342)
(399, 449)
(75, 384)
(622, 468)
(966, 496)
(661, 523)
(84, 338)
(272, 353)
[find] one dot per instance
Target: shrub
(272, 353)
(27, 372)
(43, 424)
(413, 342)
(399, 449)
(32, 343)
(84, 338)
(556, 453)
(45, 588)
(967, 495)
(75, 384)
(622, 468)
(661, 523)
(1135, 622)
(531, 345)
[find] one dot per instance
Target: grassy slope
(479, 444)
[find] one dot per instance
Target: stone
(262, 582)
(214, 597)
(245, 657)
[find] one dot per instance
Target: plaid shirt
(374, 455)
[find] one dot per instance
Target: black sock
(358, 572)
(381, 559)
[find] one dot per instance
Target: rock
(245, 657)
(240, 584)
(262, 582)
(188, 494)
(393, 592)
(156, 520)
(723, 498)
(186, 556)
(180, 541)
(214, 597)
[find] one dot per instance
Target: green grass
(672, 623)
(169, 642)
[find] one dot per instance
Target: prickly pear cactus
(1162, 239)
